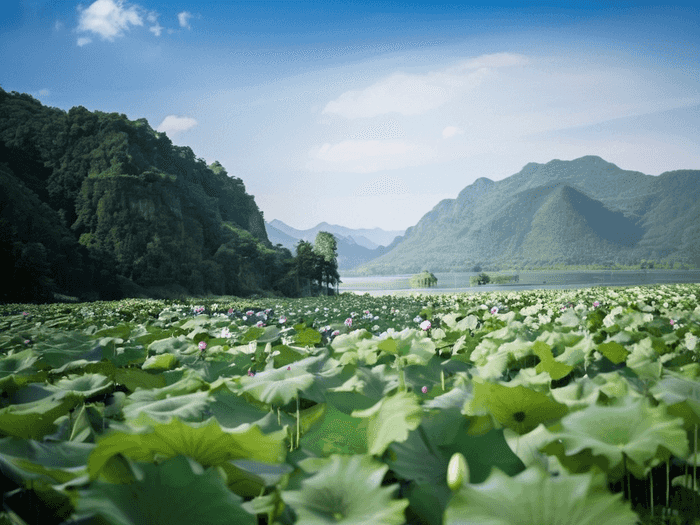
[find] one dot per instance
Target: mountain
(584, 211)
(95, 206)
(355, 247)
(364, 237)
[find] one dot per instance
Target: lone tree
(326, 247)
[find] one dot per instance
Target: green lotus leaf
(682, 398)
(187, 407)
(465, 324)
(348, 342)
(206, 442)
(390, 420)
(337, 433)
(518, 408)
(614, 351)
(69, 349)
(527, 446)
(160, 362)
(86, 385)
(20, 362)
(277, 386)
(644, 360)
(533, 497)
(578, 394)
(23, 459)
(407, 342)
(177, 490)
(135, 378)
(548, 363)
(170, 345)
(35, 420)
(347, 490)
(189, 383)
(643, 433)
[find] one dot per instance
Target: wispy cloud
(411, 94)
(184, 19)
(174, 124)
(108, 18)
(451, 131)
(368, 156)
(44, 92)
(156, 28)
(84, 40)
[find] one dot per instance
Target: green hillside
(96, 206)
(581, 212)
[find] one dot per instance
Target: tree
(326, 246)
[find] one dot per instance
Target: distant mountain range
(355, 246)
(584, 211)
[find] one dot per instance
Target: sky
(367, 114)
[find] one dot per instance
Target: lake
(458, 282)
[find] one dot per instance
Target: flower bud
(457, 471)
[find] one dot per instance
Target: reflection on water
(457, 282)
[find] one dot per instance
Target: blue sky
(367, 114)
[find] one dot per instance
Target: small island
(424, 279)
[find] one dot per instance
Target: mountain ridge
(602, 213)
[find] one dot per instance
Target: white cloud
(58, 25)
(368, 156)
(156, 29)
(184, 18)
(451, 131)
(44, 92)
(83, 40)
(175, 124)
(411, 94)
(108, 19)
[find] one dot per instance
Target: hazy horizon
(364, 115)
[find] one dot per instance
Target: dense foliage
(545, 406)
(95, 206)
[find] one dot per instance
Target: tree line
(94, 206)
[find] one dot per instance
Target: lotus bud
(457, 471)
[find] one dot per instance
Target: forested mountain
(95, 206)
(354, 246)
(584, 211)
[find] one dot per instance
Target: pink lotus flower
(424, 389)
(348, 322)
(202, 345)
(672, 321)
(596, 304)
(283, 320)
(289, 368)
(425, 325)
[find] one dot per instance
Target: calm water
(458, 282)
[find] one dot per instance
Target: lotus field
(522, 408)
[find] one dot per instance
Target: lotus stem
(402, 380)
(298, 423)
(668, 480)
(442, 379)
(651, 490)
